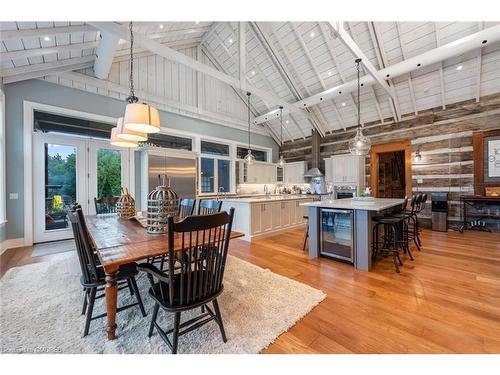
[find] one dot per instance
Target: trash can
(440, 211)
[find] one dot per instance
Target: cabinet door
(352, 171)
(285, 213)
(338, 169)
(255, 214)
(266, 217)
(276, 208)
(328, 170)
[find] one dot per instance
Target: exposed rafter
(33, 52)
(457, 47)
(410, 82)
(44, 31)
(104, 54)
(242, 40)
(180, 58)
(478, 68)
(317, 73)
(441, 72)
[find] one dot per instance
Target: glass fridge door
(337, 237)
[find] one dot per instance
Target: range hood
(313, 172)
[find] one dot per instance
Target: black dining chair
(209, 206)
(186, 207)
(194, 275)
(93, 276)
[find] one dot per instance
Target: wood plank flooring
(446, 301)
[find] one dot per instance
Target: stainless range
(344, 191)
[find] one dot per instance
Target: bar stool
(306, 234)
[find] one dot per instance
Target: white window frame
(268, 151)
(3, 165)
(215, 159)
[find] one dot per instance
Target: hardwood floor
(446, 301)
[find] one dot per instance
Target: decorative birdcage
(162, 203)
(125, 205)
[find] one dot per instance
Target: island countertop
(377, 204)
(269, 198)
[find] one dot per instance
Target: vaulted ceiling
(285, 63)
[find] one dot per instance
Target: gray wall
(52, 94)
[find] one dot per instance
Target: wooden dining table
(120, 241)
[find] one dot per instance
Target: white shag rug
(41, 305)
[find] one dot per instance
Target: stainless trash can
(440, 211)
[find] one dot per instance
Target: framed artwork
(493, 154)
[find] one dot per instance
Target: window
(216, 164)
(259, 154)
(3, 194)
(170, 141)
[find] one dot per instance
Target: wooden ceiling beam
(441, 72)
(410, 82)
(33, 52)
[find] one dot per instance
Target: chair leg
(218, 317)
(153, 319)
(130, 288)
(203, 309)
(175, 338)
(85, 296)
(133, 284)
(90, 310)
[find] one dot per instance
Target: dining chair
(93, 276)
(194, 275)
(186, 207)
(209, 206)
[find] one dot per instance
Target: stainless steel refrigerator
(178, 167)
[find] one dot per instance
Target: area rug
(41, 304)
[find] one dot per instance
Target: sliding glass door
(68, 170)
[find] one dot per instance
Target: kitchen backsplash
(272, 188)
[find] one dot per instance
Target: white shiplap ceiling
(289, 61)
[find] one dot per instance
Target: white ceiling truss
(203, 69)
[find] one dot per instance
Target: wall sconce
(418, 157)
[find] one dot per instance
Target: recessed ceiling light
(329, 74)
(343, 104)
(252, 72)
(230, 40)
(312, 35)
(161, 26)
(286, 122)
(460, 67)
(197, 22)
(47, 39)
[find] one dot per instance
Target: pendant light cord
(359, 90)
(132, 98)
(281, 129)
(248, 96)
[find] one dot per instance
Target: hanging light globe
(141, 117)
(281, 162)
(129, 135)
(249, 158)
(115, 141)
(360, 144)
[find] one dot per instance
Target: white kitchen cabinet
(294, 172)
(345, 169)
(255, 214)
(257, 173)
(277, 213)
(266, 216)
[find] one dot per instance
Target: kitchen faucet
(220, 190)
(266, 190)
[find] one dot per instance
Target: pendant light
(139, 117)
(360, 144)
(249, 158)
(115, 141)
(129, 135)
(282, 161)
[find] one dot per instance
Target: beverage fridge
(337, 234)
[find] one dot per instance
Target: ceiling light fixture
(460, 67)
(249, 158)
(139, 117)
(329, 74)
(343, 104)
(230, 40)
(115, 141)
(47, 39)
(197, 22)
(360, 144)
(282, 161)
(253, 72)
(161, 26)
(312, 35)
(129, 135)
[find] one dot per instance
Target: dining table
(120, 241)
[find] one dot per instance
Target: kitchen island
(343, 228)
(266, 215)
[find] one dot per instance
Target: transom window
(259, 154)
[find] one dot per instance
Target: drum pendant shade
(140, 117)
(129, 135)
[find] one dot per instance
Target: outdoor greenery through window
(109, 172)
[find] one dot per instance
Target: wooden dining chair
(186, 207)
(194, 275)
(209, 206)
(93, 276)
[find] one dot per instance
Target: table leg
(111, 292)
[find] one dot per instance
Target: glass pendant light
(115, 141)
(282, 161)
(249, 158)
(139, 117)
(129, 135)
(360, 144)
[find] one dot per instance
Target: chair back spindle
(186, 207)
(209, 206)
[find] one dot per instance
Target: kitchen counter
(377, 204)
(344, 227)
(267, 198)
